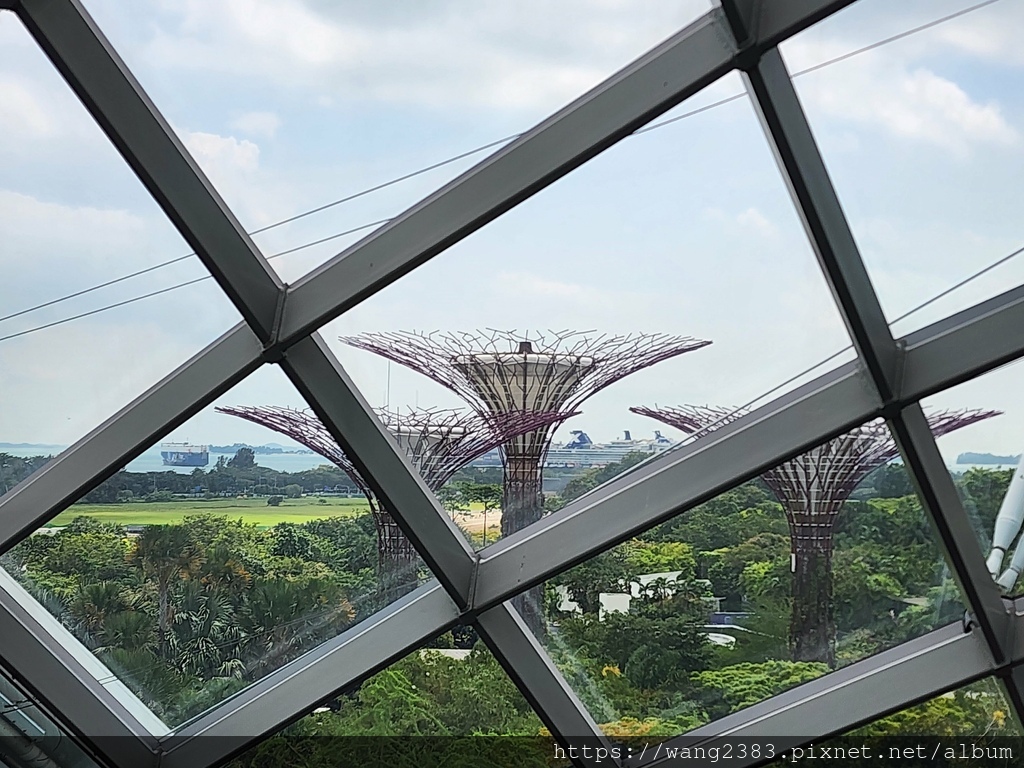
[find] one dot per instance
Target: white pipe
(1008, 521)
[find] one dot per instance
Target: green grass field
(250, 510)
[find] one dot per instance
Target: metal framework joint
(742, 18)
(273, 349)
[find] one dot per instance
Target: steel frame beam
(678, 68)
(789, 135)
(108, 89)
(963, 346)
(956, 536)
(525, 661)
(803, 169)
(327, 387)
(675, 482)
(53, 674)
(125, 435)
(289, 692)
(742, 35)
(925, 667)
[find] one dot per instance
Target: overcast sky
(687, 229)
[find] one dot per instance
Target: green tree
(165, 554)
(607, 572)
(732, 688)
(285, 617)
(660, 557)
(96, 602)
(982, 491)
(89, 556)
(293, 490)
(244, 458)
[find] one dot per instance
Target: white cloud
(752, 220)
(233, 166)
(222, 153)
(991, 34)
(22, 114)
(441, 53)
(916, 104)
(262, 124)
(38, 235)
(758, 222)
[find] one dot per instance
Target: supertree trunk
(396, 561)
(522, 498)
(812, 627)
(522, 505)
(812, 489)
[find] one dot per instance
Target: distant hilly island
(986, 458)
(269, 448)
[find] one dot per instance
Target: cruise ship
(582, 452)
(184, 455)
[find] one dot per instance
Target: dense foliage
(188, 614)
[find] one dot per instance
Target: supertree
(437, 441)
(500, 372)
(812, 489)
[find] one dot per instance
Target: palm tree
(95, 602)
(225, 572)
(285, 617)
(165, 554)
(129, 631)
(205, 638)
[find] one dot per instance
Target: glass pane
(221, 554)
(289, 108)
(973, 725)
(77, 340)
(979, 710)
(820, 562)
(445, 704)
(715, 254)
(983, 461)
(922, 137)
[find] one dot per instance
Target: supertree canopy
(812, 489)
(437, 441)
(501, 372)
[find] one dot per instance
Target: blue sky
(687, 229)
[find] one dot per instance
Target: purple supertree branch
(609, 358)
(442, 440)
(445, 440)
(817, 482)
(305, 428)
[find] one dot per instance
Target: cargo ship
(184, 455)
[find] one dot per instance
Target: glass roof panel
(820, 562)
(979, 712)
(921, 129)
(671, 239)
(216, 557)
(444, 703)
(289, 107)
(984, 460)
(85, 324)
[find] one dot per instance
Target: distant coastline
(273, 448)
(44, 449)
